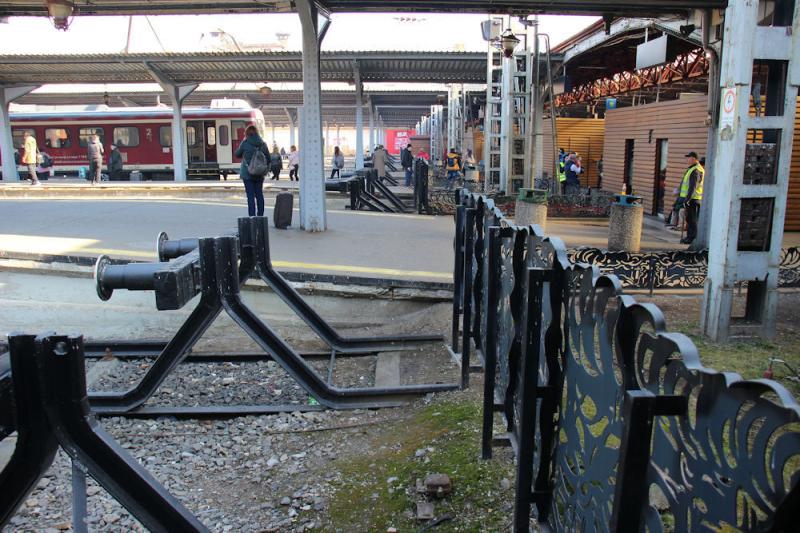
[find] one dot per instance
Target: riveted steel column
(371, 125)
(312, 186)
(291, 125)
(8, 95)
(359, 117)
(729, 260)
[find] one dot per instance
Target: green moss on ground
(365, 501)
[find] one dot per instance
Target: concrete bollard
(625, 224)
(531, 208)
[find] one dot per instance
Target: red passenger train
(144, 137)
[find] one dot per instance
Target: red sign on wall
(396, 140)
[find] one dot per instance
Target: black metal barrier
(421, 184)
(368, 191)
(52, 411)
(614, 422)
(220, 266)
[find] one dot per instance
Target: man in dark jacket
(114, 164)
(94, 151)
(407, 162)
(253, 185)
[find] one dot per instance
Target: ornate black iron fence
(671, 269)
(615, 423)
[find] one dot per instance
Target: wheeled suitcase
(282, 214)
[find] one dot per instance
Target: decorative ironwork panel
(731, 462)
(616, 391)
(789, 273)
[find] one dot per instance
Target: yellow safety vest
(698, 187)
(562, 174)
(454, 158)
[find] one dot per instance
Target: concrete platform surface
(359, 243)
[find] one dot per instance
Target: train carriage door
(195, 141)
(224, 154)
(210, 130)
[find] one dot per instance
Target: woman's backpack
(258, 165)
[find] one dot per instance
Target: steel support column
(748, 210)
(359, 117)
(371, 125)
(177, 94)
(8, 95)
(291, 126)
(312, 186)
(338, 135)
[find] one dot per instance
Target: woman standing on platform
(253, 182)
(338, 162)
(294, 164)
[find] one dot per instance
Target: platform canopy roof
(397, 108)
(519, 7)
(253, 66)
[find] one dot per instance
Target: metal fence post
(458, 275)
(528, 394)
(639, 407)
(490, 342)
(466, 328)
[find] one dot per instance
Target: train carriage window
(238, 127)
(211, 135)
(224, 138)
(57, 138)
(126, 136)
(85, 133)
(18, 136)
(165, 136)
(191, 136)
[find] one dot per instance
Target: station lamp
(60, 12)
(265, 90)
(508, 42)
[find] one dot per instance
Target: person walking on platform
(407, 162)
(453, 167)
(115, 164)
(253, 181)
(691, 195)
(294, 164)
(379, 160)
(95, 152)
(337, 162)
(30, 153)
(275, 162)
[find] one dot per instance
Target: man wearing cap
(691, 195)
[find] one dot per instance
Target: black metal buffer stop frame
(216, 268)
(51, 410)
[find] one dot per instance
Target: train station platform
(365, 244)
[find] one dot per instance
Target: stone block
(625, 228)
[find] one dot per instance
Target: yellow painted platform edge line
(296, 264)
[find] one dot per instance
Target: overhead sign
(652, 53)
(396, 140)
(727, 119)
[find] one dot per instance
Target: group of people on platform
(33, 159)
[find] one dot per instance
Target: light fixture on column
(508, 42)
(61, 13)
(265, 90)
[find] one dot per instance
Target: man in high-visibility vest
(562, 175)
(453, 167)
(691, 195)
